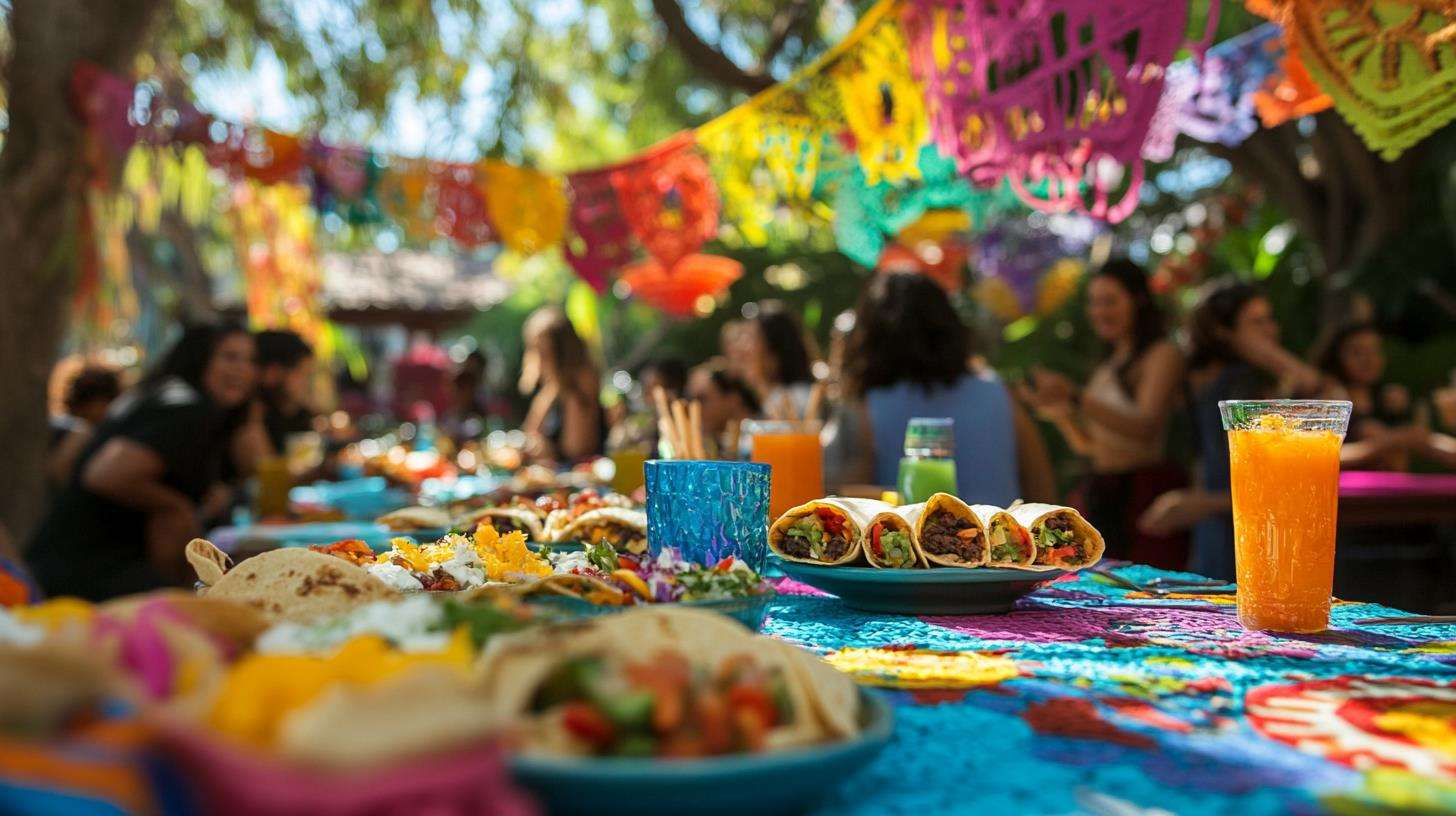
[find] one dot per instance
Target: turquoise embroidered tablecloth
(1091, 698)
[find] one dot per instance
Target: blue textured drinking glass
(709, 510)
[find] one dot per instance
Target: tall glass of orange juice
(793, 451)
(1284, 476)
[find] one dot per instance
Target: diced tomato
(724, 565)
(628, 562)
(670, 710)
(683, 745)
(833, 522)
(756, 697)
(1063, 552)
(712, 715)
(752, 729)
(1025, 538)
(585, 722)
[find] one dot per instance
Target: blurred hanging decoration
(600, 239)
(1012, 94)
(460, 206)
(1020, 252)
(1290, 93)
(1389, 65)
(668, 199)
(273, 232)
(344, 181)
(527, 207)
(691, 286)
(883, 106)
(1058, 284)
(405, 198)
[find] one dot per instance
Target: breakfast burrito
(824, 531)
(661, 683)
(947, 532)
(1009, 542)
(504, 520)
(890, 541)
(1063, 538)
(625, 530)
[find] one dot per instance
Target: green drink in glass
(928, 466)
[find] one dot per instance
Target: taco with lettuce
(824, 531)
(890, 542)
(1009, 543)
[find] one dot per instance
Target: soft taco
(662, 682)
(1010, 543)
(1063, 538)
(295, 584)
(504, 520)
(889, 542)
(624, 529)
(407, 519)
(948, 533)
(824, 531)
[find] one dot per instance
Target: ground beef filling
(1062, 523)
(834, 548)
(941, 536)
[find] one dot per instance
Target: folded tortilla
(1087, 545)
(994, 520)
(299, 585)
(968, 552)
(895, 519)
(416, 518)
(515, 518)
(857, 514)
(625, 529)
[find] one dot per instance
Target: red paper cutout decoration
(678, 291)
(600, 240)
(669, 199)
(460, 209)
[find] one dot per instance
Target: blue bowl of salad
(728, 587)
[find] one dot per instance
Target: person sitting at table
(565, 421)
(774, 357)
(1119, 421)
(1234, 354)
(88, 392)
(1384, 429)
(907, 357)
(281, 410)
(132, 504)
(725, 398)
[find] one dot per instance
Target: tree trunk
(42, 171)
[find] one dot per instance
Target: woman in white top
(1119, 421)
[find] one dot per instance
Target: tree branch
(786, 22)
(700, 53)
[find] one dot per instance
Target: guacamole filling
(891, 548)
(821, 536)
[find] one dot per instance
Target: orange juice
(1285, 484)
(797, 460)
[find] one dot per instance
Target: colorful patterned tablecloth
(1090, 698)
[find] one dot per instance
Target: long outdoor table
(1376, 497)
(1094, 699)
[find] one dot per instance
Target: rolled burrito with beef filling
(1009, 543)
(889, 541)
(1063, 538)
(824, 531)
(948, 533)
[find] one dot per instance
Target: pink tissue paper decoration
(1055, 96)
(600, 239)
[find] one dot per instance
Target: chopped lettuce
(898, 552)
(811, 529)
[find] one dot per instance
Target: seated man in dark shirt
(281, 410)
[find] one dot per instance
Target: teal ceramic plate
(756, 784)
(938, 591)
(750, 611)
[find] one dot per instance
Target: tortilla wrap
(990, 515)
(893, 520)
(857, 512)
(416, 518)
(514, 667)
(299, 585)
(631, 526)
(1034, 516)
(920, 515)
(522, 519)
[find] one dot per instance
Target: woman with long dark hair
(1119, 421)
(909, 355)
(565, 422)
(775, 357)
(132, 502)
(1234, 353)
